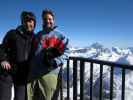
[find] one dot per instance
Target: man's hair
(47, 11)
(26, 16)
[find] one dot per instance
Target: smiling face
(30, 25)
(28, 21)
(48, 21)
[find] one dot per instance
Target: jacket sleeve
(59, 60)
(34, 44)
(5, 47)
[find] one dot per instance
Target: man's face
(30, 25)
(48, 21)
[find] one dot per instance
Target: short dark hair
(47, 11)
(26, 16)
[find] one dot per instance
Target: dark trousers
(7, 81)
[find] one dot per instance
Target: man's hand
(5, 65)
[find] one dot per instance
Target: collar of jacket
(47, 31)
(21, 30)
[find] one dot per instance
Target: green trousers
(42, 88)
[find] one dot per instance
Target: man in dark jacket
(15, 54)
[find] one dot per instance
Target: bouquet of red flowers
(52, 47)
(53, 42)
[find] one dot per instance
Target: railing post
(61, 87)
(68, 96)
(123, 84)
(82, 80)
(101, 83)
(91, 79)
(74, 79)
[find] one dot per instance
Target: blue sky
(109, 22)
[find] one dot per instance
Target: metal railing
(112, 65)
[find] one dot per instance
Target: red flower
(53, 42)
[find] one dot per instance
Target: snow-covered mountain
(131, 49)
(98, 51)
